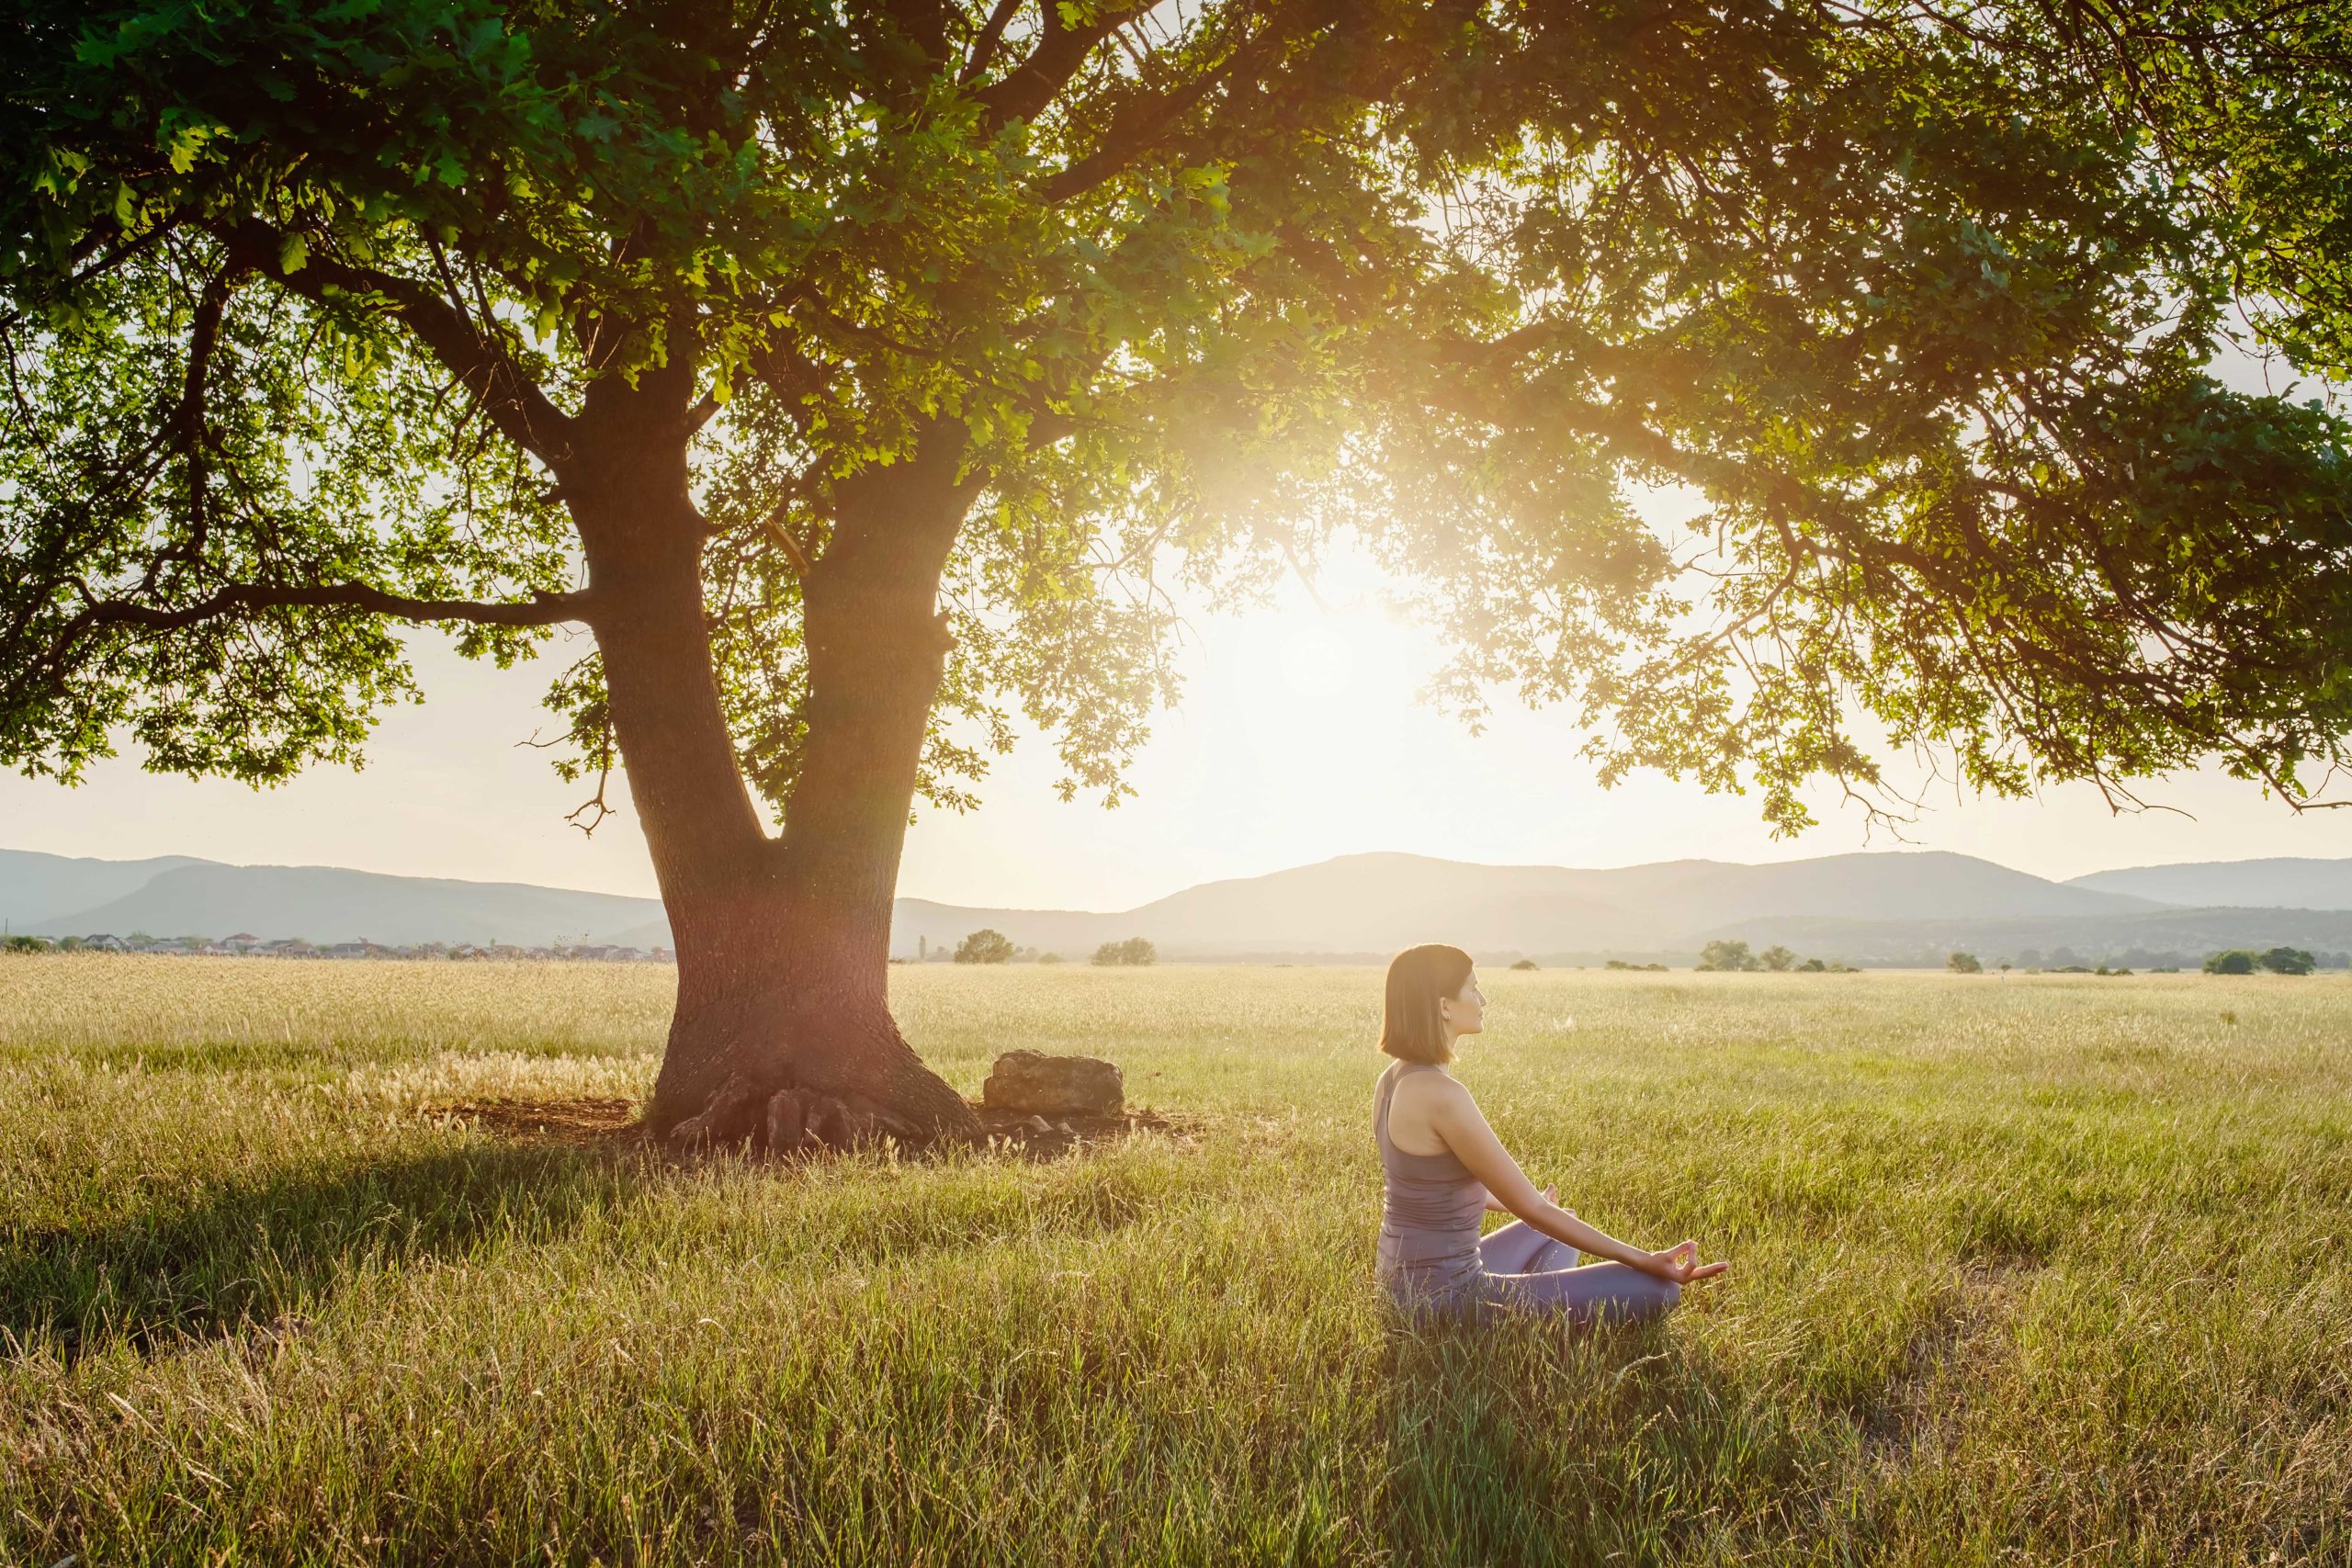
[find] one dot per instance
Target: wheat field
(2041, 1270)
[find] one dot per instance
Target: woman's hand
(1680, 1265)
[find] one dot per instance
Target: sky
(1298, 739)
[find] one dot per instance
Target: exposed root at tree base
(607, 1122)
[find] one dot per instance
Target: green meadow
(2042, 1269)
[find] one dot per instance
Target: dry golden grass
(2034, 1270)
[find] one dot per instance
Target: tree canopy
(1134, 951)
(309, 311)
(1727, 955)
(986, 945)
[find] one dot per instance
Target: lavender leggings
(1528, 1271)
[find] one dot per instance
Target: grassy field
(2042, 1269)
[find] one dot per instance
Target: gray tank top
(1429, 1210)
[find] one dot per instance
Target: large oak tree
(858, 374)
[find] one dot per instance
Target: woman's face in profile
(1466, 1013)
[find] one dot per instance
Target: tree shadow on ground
(1534, 1441)
(610, 1122)
(258, 1255)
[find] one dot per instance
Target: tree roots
(789, 1120)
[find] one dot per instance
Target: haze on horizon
(1298, 739)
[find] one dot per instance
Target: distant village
(244, 944)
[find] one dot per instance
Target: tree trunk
(783, 1031)
(876, 646)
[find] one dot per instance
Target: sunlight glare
(1318, 663)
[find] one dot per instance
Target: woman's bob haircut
(1419, 978)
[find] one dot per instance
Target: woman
(1445, 1168)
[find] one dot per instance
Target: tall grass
(2039, 1269)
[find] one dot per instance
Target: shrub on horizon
(986, 945)
(1726, 957)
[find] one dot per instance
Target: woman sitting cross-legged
(1445, 1168)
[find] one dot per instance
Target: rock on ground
(1034, 1083)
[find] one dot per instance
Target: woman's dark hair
(1412, 1030)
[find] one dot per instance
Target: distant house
(245, 944)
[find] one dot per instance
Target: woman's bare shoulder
(1431, 1090)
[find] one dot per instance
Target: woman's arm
(1464, 1127)
(1497, 1206)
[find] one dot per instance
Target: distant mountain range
(1884, 907)
(1889, 906)
(1866, 909)
(2235, 884)
(52, 895)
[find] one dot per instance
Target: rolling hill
(2282, 883)
(36, 887)
(1904, 906)
(323, 904)
(1377, 903)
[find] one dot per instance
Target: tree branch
(1031, 85)
(516, 404)
(541, 610)
(984, 46)
(1138, 125)
(924, 23)
(204, 336)
(1135, 129)
(774, 523)
(783, 369)
(98, 269)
